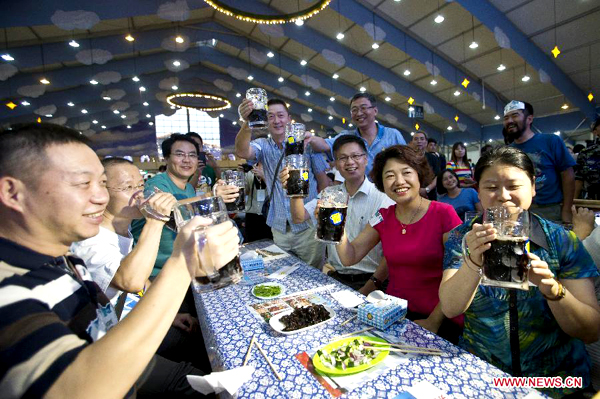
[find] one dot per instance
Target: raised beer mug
(257, 120)
(331, 216)
(506, 263)
(294, 138)
(214, 277)
(297, 184)
(238, 179)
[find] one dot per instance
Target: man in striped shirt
(55, 323)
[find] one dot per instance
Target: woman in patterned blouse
(539, 332)
(460, 164)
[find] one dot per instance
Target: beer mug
(214, 209)
(331, 217)
(144, 206)
(506, 263)
(470, 215)
(297, 184)
(294, 139)
(257, 120)
(238, 179)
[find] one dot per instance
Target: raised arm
(351, 253)
(318, 144)
(567, 178)
(243, 149)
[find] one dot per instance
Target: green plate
(350, 370)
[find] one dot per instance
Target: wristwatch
(377, 282)
(427, 190)
(562, 291)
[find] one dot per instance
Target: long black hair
(507, 156)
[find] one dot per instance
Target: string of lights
(172, 100)
(265, 18)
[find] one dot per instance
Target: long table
(228, 326)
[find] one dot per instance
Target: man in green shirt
(208, 171)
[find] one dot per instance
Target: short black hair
(528, 109)
(440, 177)
(196, 135)
(485, 149)
(431, 140)
(366, 95)
(275, 101)
(423, 133)
(404, 154)
(507, 156)
(578, 147)
(175, 137)
(23, 147)
(113, 161)
(347, 139)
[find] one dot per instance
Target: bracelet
(376, 281)
(562, 291)
(476, 268)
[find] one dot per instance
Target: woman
(552, 318)
(412, 236)
(462, 199)
(459, 163)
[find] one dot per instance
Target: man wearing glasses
(363, 110)
(365, 200)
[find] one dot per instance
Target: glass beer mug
(331, 216)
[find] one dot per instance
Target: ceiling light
(449, 128)
(310, 110)
(270, 54)
(128, 126)
(280, 79)
(44, 81)
(148, 116)
(103, 127)
(172, 107)
(473, 45)
(288, 105)
(307, 93)
(70, 104)
(234, 123)
(374, 46)
(84, 111)
(303, 62)
(350, 125)
(221, 116)
(397, 1)
(497, 117)
(174, 87)
(525, 78)
(388, 99)
(335, 76)
(406, 72)
(142, 88)
(456, 93)
(501, 67)
(565, 106)
(151, 123)
(135, 79)
(116, 112)
(490, 140)
(557, 132)
(299, 22)
(339, 36)
(7, 57)
(145, 103)
(332, 98)
(95, 122)
(106, 98)
(73, 43)
(362, 89)
(250, 77)
(94, 81)
(238, 95)
(25, 103)
(412, 133)
(129, 38)
(466, 144)
(176, 63)
(330, 117)
(48, 115)
(179, 39)
(439, 19)
(433, 82)
(123, 116)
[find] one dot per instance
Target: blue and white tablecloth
(228, 325)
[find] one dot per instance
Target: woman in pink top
(412, 234)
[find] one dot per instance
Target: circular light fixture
(73, 43)
(296, 17)
(501, 67)
(406, 72)
(179, 39)
(250, 77)
(280, 79)
(335, 76)
(129, 38)
(307, 93)
(362, 89)
(340, 36)
(270, 54)
(497, 117)
(303, 62)
(525, 78)
(179, 100)
(176, 63)
(374, 46)
(388, 99)
(439, 19)
(473, 45)
(433, 82)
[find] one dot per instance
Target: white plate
(278, 326)
(270, 285)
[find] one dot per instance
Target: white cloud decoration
(256, 56)
(391, 118)
(119, 106)
(311, 82)
(432, 69)
(182, 65)
(544, 76)
(374, 31)
(333, 57)
(272, 30)
(82, 126)
(338, 129)
(88, 132)
(238, 73)
(96, 56)
(476, 96)
(167, 83)
(501, 38)
(428, 108)
(46, 110)
(7, 71)
(306, 118)
(331, 110)
(107, 77)
(387, 87)
(461, 126)
(33, 91)
(223, 84)
(114, 94)
(71, 20)
(169, 44)
(177, 10)
(162, 96)
(288, 92)
(61, 120)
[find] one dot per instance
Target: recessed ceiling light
(103, 127)
(299, 22)
(525, 78)
(129, 38)
(501, 67)
(557, 132)
(95, 122)
(449, 128)
(106, 98)
(490, 140)
(7, 57)
(123, 116)
(148, 116)
(48, 115)
(310, 110)
(335, 76)
(238, 95)
(466, 144)
(142, 88)
(473, 45)
(179, 39)
(128, 126)
(307, 93)
(151, 123)
(73, 43)
(25, 103)
(44, 81)
(456, 93)
(176, 63)
(565, 106)
(433, 82)
(406, 72)
(70, 104)
(135, 79)
(234, 123)
(362, 89)
(497, 117)
(145, 103)
(280, 79)
(331, 98)
(303, 62)
(84, 111)
(270, 54)
(350, 125)
(94, 81)
(221, 116)
(250, 77)
(412, 133)
(116, 112)
(340, 36)
(439, 19)
(388, 99)
(174, 87)
(374, 46)
(288, 105)
(330, 117)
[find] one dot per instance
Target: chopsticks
(254, 342)
(404, 348)
(348, 321)
(353, 333)
(422, 352)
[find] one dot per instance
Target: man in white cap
(554, 175)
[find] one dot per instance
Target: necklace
(404, 226)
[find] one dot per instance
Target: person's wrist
(427, 190)
(557, 295)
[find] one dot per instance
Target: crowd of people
(95, 280)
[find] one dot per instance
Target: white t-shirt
(361, 207)
(102, 255)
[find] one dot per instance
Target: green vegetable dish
(350, 355)
(267, 291)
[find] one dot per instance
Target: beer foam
(511, 238)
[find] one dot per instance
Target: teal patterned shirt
(546, 350)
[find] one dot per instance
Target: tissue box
(383, 314)
(249, 265)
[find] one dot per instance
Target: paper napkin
(228, 380)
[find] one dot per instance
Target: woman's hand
(478, 241)
(284, 175)
(542, 276)
(228, 193)
(245, 108)
(428, 324)
(583, 222)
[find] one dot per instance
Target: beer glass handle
(206, 262)
(466, 253)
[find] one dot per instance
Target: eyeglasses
(363, 109)
(354, 157)
(128, 188)
(181, 155)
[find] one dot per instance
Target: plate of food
(350, 355)
(268, 290)
(301, 319)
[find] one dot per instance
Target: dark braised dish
(305, 317)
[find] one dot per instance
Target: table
(227, 326)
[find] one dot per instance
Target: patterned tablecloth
(228, 325)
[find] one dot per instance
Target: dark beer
(231, 273)
(171, 224)
(507, 261)
(258, 119)
(240, 202)
(330, 224)
(297, 184)
(294, 146)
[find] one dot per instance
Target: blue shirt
(464, 202)
(268, 153)
(386, 137)
(550, 157)
(163, 182)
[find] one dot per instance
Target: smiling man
(554, 175)
(363, 111)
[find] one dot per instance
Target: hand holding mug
(477, 241)
(228, 193)
(284, 175)
(245, 108)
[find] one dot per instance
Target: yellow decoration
(336, 218)
(39, 120)
(225, 101)
(344, 120)
(465, 82)
(555, 51)
(590, 96)
(11, 105)
(417, 126)
(305, 176)
(456, 118)
(268, 19)
(411, 100)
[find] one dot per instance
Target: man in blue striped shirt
(289, 236)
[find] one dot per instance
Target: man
(363, 111)
(208, 171)
(587, 171)
(440, 158)
(419, 143)
(555, 179)
(297, 238)
(365, 200)
(52, 315)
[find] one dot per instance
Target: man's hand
(161, 203)
(245, 108)
(565, 214)
(186, 322)
(228, 193)
(583, 222)
(259, 171)
(284, 175)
